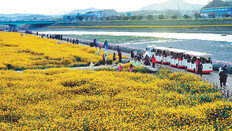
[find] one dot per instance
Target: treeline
(153, 17)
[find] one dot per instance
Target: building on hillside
(216, 12)
(96, 14)
(92, 15)
(69, 17)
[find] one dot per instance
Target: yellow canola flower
(66, 99)
(29, 52)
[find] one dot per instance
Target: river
(217, 44)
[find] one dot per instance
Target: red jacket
(120, 68)
(153, 60)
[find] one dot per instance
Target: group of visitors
(73, 41)
(195, 59)
(147, 60)
(136, 55)
(99, 45)
(105, 57)
(28, 32)
(60, 37)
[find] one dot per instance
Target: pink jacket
(120, 68)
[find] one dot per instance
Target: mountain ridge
(82, 11)
(173, 5)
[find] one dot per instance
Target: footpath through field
(212, 77)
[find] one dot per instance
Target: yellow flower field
(29, 52)
(66, 99)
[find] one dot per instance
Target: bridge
(15, 24)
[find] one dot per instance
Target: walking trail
(212, 77)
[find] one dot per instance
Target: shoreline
(163, 35)
(205, 30)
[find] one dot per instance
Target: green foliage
(186, 16)
(150, 17)
(161, 17)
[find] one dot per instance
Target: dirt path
(212, 77)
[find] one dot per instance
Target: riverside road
(212, 77)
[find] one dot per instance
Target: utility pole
(178, 10)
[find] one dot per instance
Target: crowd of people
(146, 60)
(98, 45)
(60, 37)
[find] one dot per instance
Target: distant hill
(173, 5)
(82, 11)
(20, 15)
(109, 12)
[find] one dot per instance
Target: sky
(54, 7)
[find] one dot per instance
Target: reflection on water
(199, 36)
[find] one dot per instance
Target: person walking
(200, 68)
(132, 54)
(226, 71)
(222, 77)
(91, 44)
(131, 68)
(106, 56)
(153, 61)
(77, 41)
(114, 57)
(135, 53)
(95, 43)
(120, 68)
(103, 59)
(100, 46)
(147, 61)
(197, 62)
(138, 57)
(120, 56)
(68, 40)
(106, 44)
(118, 49)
